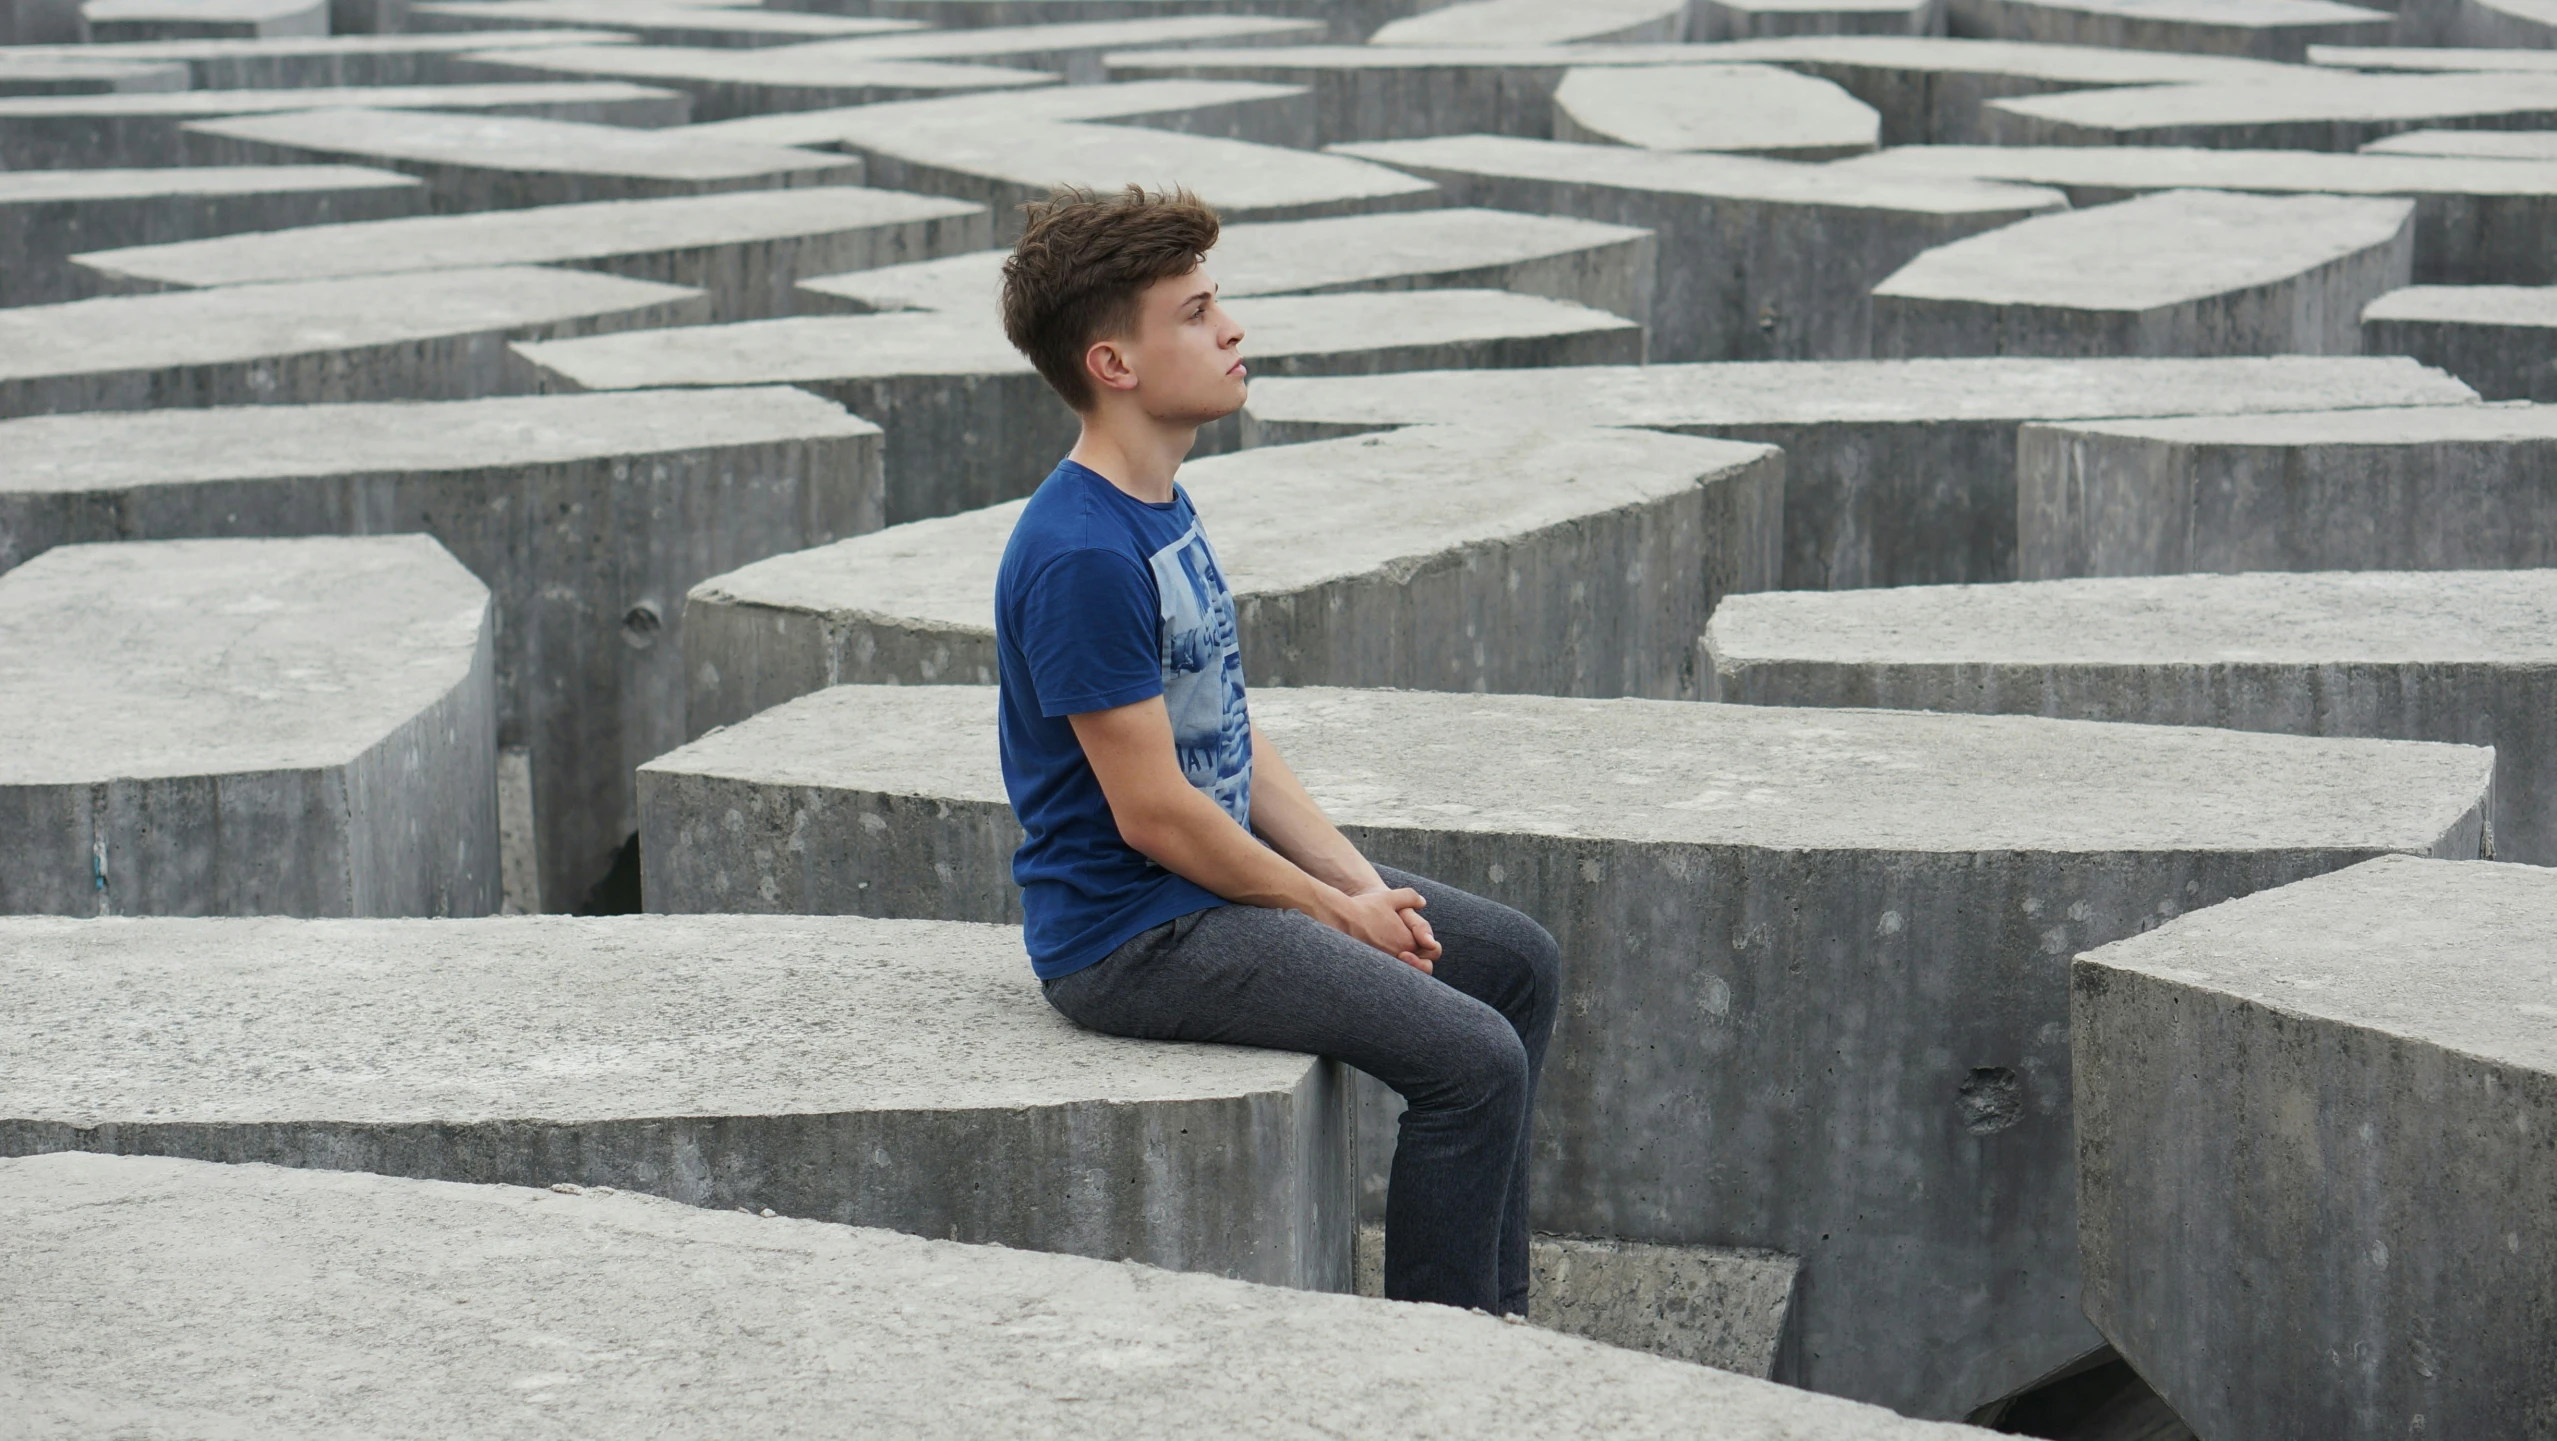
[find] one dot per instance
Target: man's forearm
(1190, 836)
(1286, 815)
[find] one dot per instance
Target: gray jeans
(1463, 1047)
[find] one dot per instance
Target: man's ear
(1108, 366)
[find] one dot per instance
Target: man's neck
(1134, 452)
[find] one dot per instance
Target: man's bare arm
(1292, 821)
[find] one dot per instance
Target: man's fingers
(1407, 899)
(1424, 940)
(1416, 963)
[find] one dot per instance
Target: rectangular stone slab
(2453, 488)
(2500, 338)
(248, 727)
(726, 84)
(1896, 472)
(1762, 110)
(1230, 109)
(589, 617)
(1746, 19)
(2262, 29)
(2317, 111)
(1815, 962)
(2479, 144)
(92, 132)
(440, 335)
(2463, 57)
(904, 1074)
(159, 1283)
(24, 74)
(2468, 656)
(111, 21)
(1534, 22)
(2313, 1123)
(1563, 563)
(651, 22)
(300, 61)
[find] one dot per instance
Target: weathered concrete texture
(117, 20)
(2477, 221)
(747, 251)
(1540, 22)
(1759, 259)
(728, 83)
(2477, 144)
(650, 22)
(1717, 1306)
(95, 132)
(42, 22)
(1896, 472)
(473, 163)
(2501, 339)
(343, 60)
(1815, 960)
(883, 1073)
(2465, 656)
(47, 215)
(1743, 109)
(2529, 24)
(1763, 19)
(368, 17)
(2324, 110)
(2313, 1154)
(2180, 272)
(47, 74)
(1350, 20)
(441, 335)
(1226, 109)
(2263, 29)
(2453, 488)
(970, 422)
(247, 727)
(2403, 57)
(1556, 563)
(1075, 49)
(588, 516)
(148, 1287)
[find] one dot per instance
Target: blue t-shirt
(1104, 600)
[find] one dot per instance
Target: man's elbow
(1147, 831)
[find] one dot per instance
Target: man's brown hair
(1082, 263)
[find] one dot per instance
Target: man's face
(1187, 352)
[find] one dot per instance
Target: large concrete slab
(158, 1283)
(1350, 20)
(2454, 488)
(2526, 23)
(1075, 49)
(247, 727)
(1816, 960)
(1765, 19)
(304, 61)
(2322, 110)
(2314, 1161)
(1538, 22)
(883, 1073)
(439, 335)
(970, 423)
(2476, 144)
(22, 74)
(2501, 339)
(2179, 272)
(748, 251)
(46, 215)
(1759, 259)
(2419, 58)
(725, 84)
(1896, 472)
(2262, 29)
(1227, 109)
(472, 163)
(588, 517)
(2468, 656)
(115, 20)
(1548, 562)
(650, 22)
(1743, 109)
(42, 22)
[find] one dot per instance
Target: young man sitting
(1177, 880)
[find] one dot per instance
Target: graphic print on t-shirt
(1203, 673)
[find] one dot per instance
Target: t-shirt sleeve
(1087, 631)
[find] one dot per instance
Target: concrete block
(46, 215)
(49, 74)
(2477, 221)
(98, 132)
(1896, 472)
(1536, 22)
(440, 335)
(2476, 144)
(1555, 563)
(747, 251)
(1759, 259)
(2456, 488)
(2421, 58)
(2501, 339)
(298, 62)
(1763, 19)
(2262, 29)
(730, 83)
(42, 22)
(590, 677)
(970, 423)
(1349, 20)
(247, 727)
(117, 20)
(2313, 1155)
(1816, 961)
(2317, 111)
(472, 163)
(1075, 49)
(1742, 109)
(2467, 656)
(802, 1065)
(368, 17)
(649, 22)
(2530, 24)
(2179, 272)
(1225, 109)
(158, 1283)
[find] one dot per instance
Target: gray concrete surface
(1539, 22)
(1815, 961)
(2476, 144)
(726, 84)
(111, 21)
(2422, 58)
(1742, 109)
(747, 251)
(1896, 472)
(95, 132)
(2262, 29)
(1226, 109)
(1074, 49)
(2525, 23)
(2501, 339)
(2467, 656)
(588, 517)
(158, 1283)
(904, 1074)
(650, 22)
(2178, 272)
(1433, 558)
(2322, 110)
(247, 727)
(22, 74)
(1759, 259)
(441, 335)
(2454, 488)
(2313, 1154)
(47, 215)
(1350, 20)
(311, 61)
(472, 163)
(1768, 19)
(970, 422)
(42, 22)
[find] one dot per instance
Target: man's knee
(1482, 1067)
